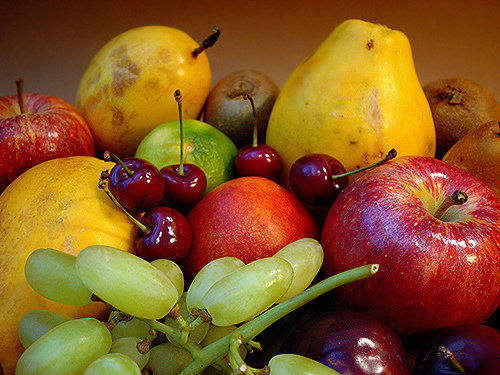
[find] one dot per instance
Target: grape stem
(245, 333)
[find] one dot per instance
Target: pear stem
(208, 42)
(109, 156)
(249, 330)
(457, 198)
(178, 99)
(103, 184)
(448, 355)
(254, 138)
(20, 95)
(390, 155)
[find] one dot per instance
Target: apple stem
(20, 95)
(457, 198)
(103, 184)
(249, 330)
(448, 355)
(178, 99)
(390, 155)
(254, 139)
(208, 42)
(109, 156)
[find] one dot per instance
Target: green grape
(198, 333)
(130, 328)
(127, 282)
(217, 332)
(36, 323)
(66, 349)
(168, 359)
(173, 272)
(128, 346)
(293, 364)
(207, 276)
(113, 364)
(306, 257)
(52, 274)
(248, 291)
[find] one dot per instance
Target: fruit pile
(348, 223)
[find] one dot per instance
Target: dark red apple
(460, 350)
(248, 218)
(349, 342)
(438, 267)
(37, 128)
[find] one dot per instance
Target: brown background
(50, 43)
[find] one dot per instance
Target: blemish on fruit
(125, 75)
(117, 118)
(369, 44)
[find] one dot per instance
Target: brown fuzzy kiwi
(226, 109)
(458, 106)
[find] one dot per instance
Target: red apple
(248, 218)
(37, 128)
(437, 269)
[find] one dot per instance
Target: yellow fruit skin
(55, 204)
(128, 87)
(354, 98)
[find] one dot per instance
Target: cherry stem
(448, 355)
(208, 42)
(457, 198)
(144, 345)
(109, 156)
(178, 99)
(390, 155)
(254, 139)
(246, 332)
(20, 95)
(103, 184)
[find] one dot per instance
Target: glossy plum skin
(350, 343)
(170, 235)
(476, 348)
(183, 191)
(311, 179)
(139, 192)
(261, 160)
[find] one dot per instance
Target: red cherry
(136, 183)
(183, 191)
(318, 179)
(261, 160)
(167, 235)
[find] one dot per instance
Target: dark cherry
(136, 183)
(257, 159)
(311, 179)
(349, 342)
(260, 160)
(318, 179)
(183, 191)
(460, 350)
(166, 235)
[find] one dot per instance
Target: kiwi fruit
(227, 110)
(458, 106)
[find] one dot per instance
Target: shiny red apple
(473, 350)
(249, 218)
(35, 128)
(439, 265)
(349, 342)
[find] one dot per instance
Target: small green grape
(113, 364)
(172, 271)
(293, 364)
(52, 274)
(168, 359)
(36, 323)
(128, 346)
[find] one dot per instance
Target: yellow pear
(354, 98)
(56, 204)
(129, 84)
